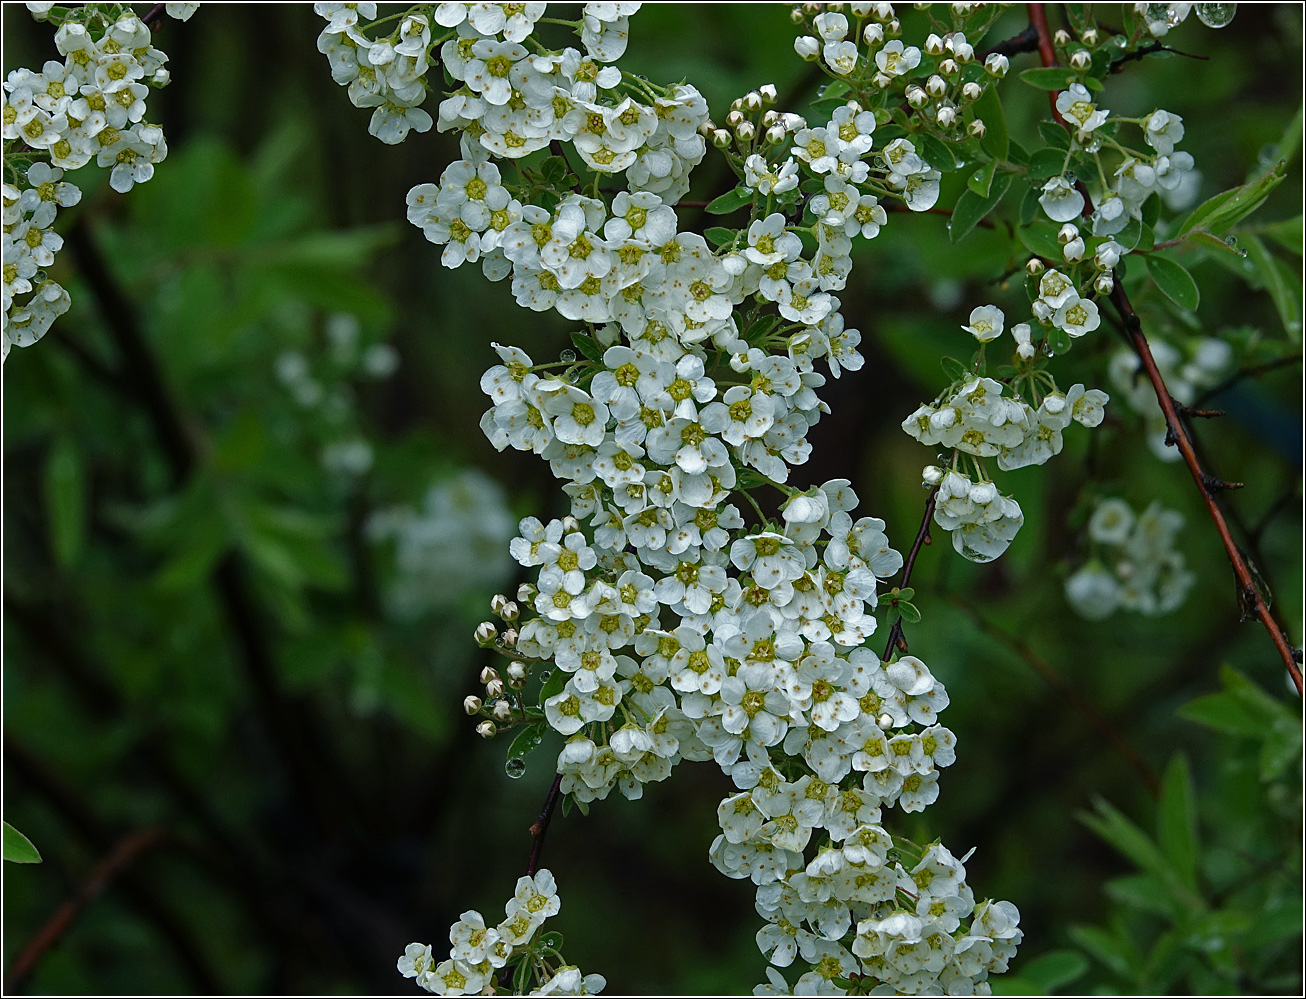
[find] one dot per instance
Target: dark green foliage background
(326, 807)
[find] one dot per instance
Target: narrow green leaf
(1224, 713)
(527, 741)
(731, 201)
(1230, 207)
(1177, 284)
(982, 178)
(954, 369)
(1214, 243)
(1176, 820)
(1287, 233)
(1281, 748)
(553, 685)
(65, 499)
(1116, 828)
(997, 139)
(935, 153)
(971, 208)
(720, 236)
(18, 848)
(1281, 284)
(1107, 948)
(588, 347)
(1055, 969)
(1049, 77)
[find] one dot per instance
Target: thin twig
(1176, 434)
(1026, 41)
(896, 639)
(1054, 679)
(1038, 20)
(540, 826)
(114, 863)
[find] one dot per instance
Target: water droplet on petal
(1216, 15)
(515, 767)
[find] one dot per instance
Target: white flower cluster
(1186, 372)
(89, 107)
(1134, 565)
(672, 629)
(1164, 171)
(453, 545)
(479, 951)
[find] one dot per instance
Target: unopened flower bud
(861, 9)
(509, 638)
(570, 525)
(502, 710)
(949, 67)
(486, 729)
(971, 91)
(488, 674)
(775, 134)
(767, 92)
(885, 720)
(1034, 267)
(745, 131)
(916, 97)
(1061, 38)
(961, 49)
(752, 101)
(996, 64)
(510, 613)
(1074, 250)
(936, 86)
(769, 119)
(977, 128)
(494, 688)
(946, 116)
(733, 119)
(932, 475)
(893, 29)
(873, 35)
(526, 593)
(934, 44)
(1089, 37)
(486, 633)
(883, 12)
(497, 603)
(1067, 232)
(880, 81)
(1104, 284)
(807, 47)
(796, 15)
(472, 704)
(721, 138)
(516, 674)
(1080, 59)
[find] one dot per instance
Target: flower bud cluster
(479, 951)
(90, 106)
(1133, 563)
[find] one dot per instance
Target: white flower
(1060, 200)
(1076, 106)
(986, 323)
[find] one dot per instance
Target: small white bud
(796, 15)
(1104, 284)
(861, 9)
(996, 64)
(807, 47)
(881, 81)
(961, 49)
(510, 612)
(706, 129)
(502, 710)
(932, 475)
(885, 720)
(971, 91)
(486, 633)
(488, 674)
(526, 593)
(721, 138)
(776, 134)
(1034, 267)
(934, 44)
(745, 131)
(1061, 38)
(497, 603)
(1081, 59)
(570, 525)
(494, 688)
(769, 119)
(516, 674)
(1067, 232)
(873, 35)
(486, 729)
(936, 86)
(883, 12)
(1074, 250)
(916, 97)
(509, 638)
(767, 92)
(946, 116)
(893, 29)
(977, 128)
(1089, 37)
(733, 119)
(949, 67)
(753, 101)
(472, 705)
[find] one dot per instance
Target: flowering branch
(541, 826)
(922, 538)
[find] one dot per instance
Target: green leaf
(528, 740)
(720, 236)
(954, 369)
(65, 499)
(1230, 207)
(555, 172)
(935, 153)
(910, 614)
(1054, 135)
(588, 347)
(731, 201)
(1287, 233)
(1049, 77)
(982, 178)
(1177, 284)
(1224, 713)
(1106, 947)
(1283, 286)
(1045, 163)
(18, 848)
(1040, 238)
(1214, 243)
(1281, 748)
(1176, 820)
(553, 685)
(1115, 827)
(1143, 893)
(1058, 340)
(971, 208)
(997, 139)
(1055, 968)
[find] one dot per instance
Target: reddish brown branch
(1038, 19)
(1177, 434)
(896, 639)
(114, 863)
(540, 826)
